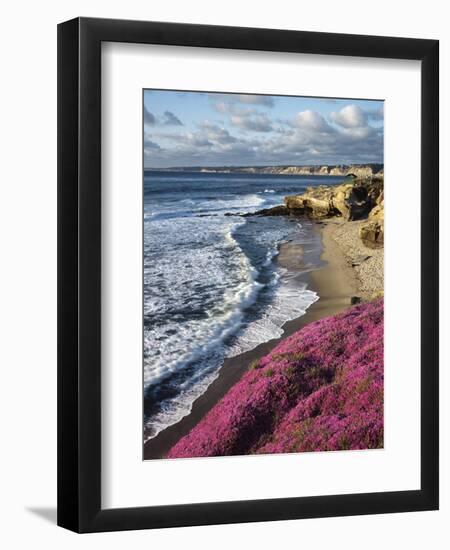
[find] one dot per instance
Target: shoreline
(335, 283)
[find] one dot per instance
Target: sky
(216, 129)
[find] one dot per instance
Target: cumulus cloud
(255, 123)
(216, 133)
(149, 118)
(150, 147)
(199, 141)
(350, 116)
(311, 120)
(360, 132)
(169, 119)
(233, 108)
(242, 112)
(250, 136)
(149, 143)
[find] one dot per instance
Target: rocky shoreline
(336, 283)
(351, 218)
(356, 199)
(321, 388)
(352, 214)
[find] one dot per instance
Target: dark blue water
(212, 286)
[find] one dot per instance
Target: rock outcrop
(372, 233)
(315, 203)
(280, 210)
(355, 199)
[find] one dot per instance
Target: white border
(128, 481)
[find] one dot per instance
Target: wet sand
(336, 282)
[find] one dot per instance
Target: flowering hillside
(320, 389)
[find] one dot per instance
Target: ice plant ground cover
(320, 389)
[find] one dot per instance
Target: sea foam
(211, 290)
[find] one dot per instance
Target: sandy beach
(350, 270)
(366, 264)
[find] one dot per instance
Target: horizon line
(302, 165)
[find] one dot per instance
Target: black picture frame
(79, 274)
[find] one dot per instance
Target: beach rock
(279, 210)
(380, 198)
(377, 213)
(314, 203)
(353, 202)
(359, 260)
(372, 234)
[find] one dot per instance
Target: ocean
(212, 286)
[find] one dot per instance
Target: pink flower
(320, 389)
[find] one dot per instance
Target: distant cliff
(359, 170)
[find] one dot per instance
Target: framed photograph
(245, 332)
